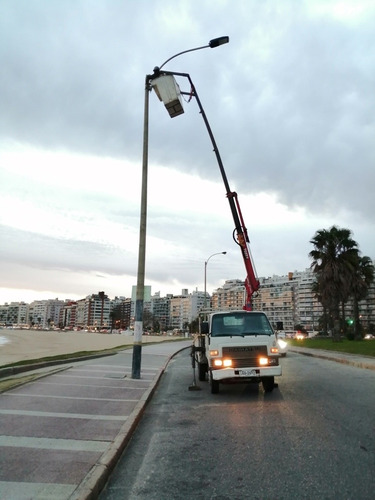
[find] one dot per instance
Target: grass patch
(67, 357)
(81, 354)
(360, 347)
(7, 384)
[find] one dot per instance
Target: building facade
(287, 300)
(230, 296)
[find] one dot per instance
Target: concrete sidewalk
(62, 434)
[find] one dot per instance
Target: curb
(363, 363)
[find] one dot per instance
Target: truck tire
(268, 384)
(214, 385)
(202, 370)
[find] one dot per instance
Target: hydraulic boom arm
(240, 235)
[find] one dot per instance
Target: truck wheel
(268, 384)
(214, 385)
(202, 370)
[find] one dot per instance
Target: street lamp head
(215, 42)
(224, 253)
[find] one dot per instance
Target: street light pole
(139, 304)
(205, 279)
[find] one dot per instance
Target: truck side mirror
(204, 327)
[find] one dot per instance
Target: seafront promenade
(22, 345)
(62, 433)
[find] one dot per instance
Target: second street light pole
(139, 304)
(205, 280)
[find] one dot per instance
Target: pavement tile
(63, 432)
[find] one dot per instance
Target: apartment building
(121, 313)
(45, 313)
(14, 313)
(68, 315)
(179, 311)
(276, 297)
(97, 310)
(230, 296)
(160, 309)
(285, 299)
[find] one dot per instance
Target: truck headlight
(214, 352)
(226, 363)
(263, 361)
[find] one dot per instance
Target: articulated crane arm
(240, 235)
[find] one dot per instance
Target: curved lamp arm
(215, 42)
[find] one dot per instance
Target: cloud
(289, 101)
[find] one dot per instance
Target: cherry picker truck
(236, 346)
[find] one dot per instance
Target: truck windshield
(240, 323)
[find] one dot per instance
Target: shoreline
(21, 345)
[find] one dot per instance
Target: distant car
(300, 336)
(369, 336)
(283, 347)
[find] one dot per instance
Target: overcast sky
(290, 101)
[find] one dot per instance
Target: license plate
(246, 373)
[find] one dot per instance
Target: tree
(334, 259)
(148, 319)
(322, 322)
(362, 278)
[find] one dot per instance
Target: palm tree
(362, 278)
(323, 320)
(334, 259)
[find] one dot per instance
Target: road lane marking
(9, 489)
(53, 444)
(19, 394)
(94, 386)
(83, 416)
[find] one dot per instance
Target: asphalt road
(312, 438)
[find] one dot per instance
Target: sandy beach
(19, 345)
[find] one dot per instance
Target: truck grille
(244, 356)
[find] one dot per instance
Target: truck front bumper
(245, 374)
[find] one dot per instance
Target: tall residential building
(276, 297)
(14, 313)
(179, 313)
(121, 313)
(230, 296)
(197, 304)
(68, 315)
(80, 313)
(160, 309)
(308, 308)
(44, 313)
(97, 311)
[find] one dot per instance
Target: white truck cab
(237, 347)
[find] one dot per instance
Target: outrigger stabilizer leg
(193, 386)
